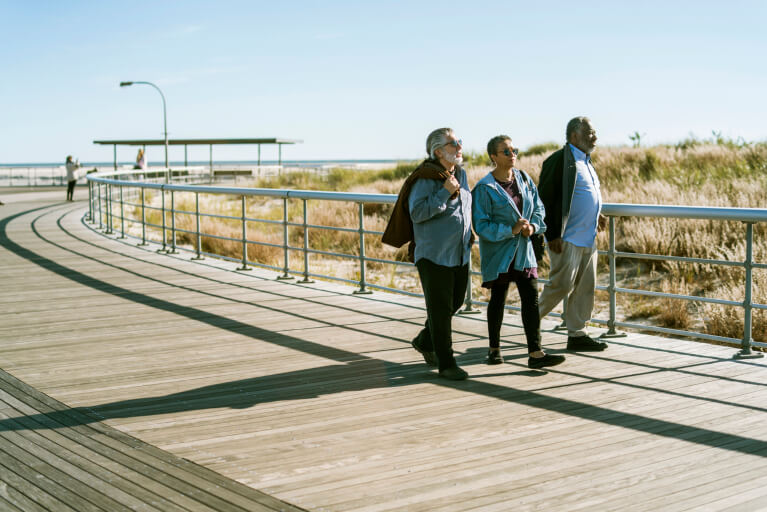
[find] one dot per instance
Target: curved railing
(108, 199)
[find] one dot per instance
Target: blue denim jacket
(494, 214)
(441, 226)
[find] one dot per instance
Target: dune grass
(713, 172)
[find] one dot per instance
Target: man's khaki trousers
(573, 275)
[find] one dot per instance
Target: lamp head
(125, 84)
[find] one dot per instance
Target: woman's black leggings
(528, 293)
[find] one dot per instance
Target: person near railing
(434, 211)
(140, 160)
(71, 166)
(570, 191)
(506, 212)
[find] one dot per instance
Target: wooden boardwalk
(135, 380)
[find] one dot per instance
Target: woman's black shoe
(546, 360)
(453, 373)
(494, 357)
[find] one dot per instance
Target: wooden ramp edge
(53, 457)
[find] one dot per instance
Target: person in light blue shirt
(439, 204)
(569, 189)
(586, 203)
(506, 212)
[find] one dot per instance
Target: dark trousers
(444, 289)
(528, 294)
(70, 189)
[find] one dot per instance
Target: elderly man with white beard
(433, 211)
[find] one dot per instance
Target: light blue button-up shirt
(581, 227)
(441, 226)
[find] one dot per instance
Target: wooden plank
(206, 488)
(47, 493)
(14, 498)
(103, 474)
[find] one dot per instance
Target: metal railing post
(110, 221)
(143, 219)
(101, 220)
(306, 248)
(611, 332)
(172, 224)
(361, 231)
(745, 348)
(468, 302)
(197, 228)
(244, 239)
(164, 234)
(285, 274)
(122, 214)
(90, 202)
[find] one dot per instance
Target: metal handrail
(98, 182)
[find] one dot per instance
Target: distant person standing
(570, 191)
(72, 167)
(140, 160)
(433, 212)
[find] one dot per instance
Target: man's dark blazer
(555, 188)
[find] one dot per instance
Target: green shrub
(540, 149)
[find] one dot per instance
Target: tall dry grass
(696, 173)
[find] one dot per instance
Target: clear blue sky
(370, 79)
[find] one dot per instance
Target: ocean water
(206, 163)
(47, 173)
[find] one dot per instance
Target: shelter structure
(198, 142)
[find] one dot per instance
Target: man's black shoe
(585, 344)
(494, 356)
(453, 373)
(429, 357)
(546, 360)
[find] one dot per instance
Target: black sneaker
(429, 357)
(453, 373)
(546, 360)
(585, 344)
(494, 357)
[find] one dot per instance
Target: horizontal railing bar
(678, 332)
(330, 228)
(693, 298)
(325, 253)
(258, 242)
(685, 212)
(609, 209)
(640, 256)
(391, 262)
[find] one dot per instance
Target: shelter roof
(192, 142)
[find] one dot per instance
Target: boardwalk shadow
(305, 384)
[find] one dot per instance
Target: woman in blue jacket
(506, 211)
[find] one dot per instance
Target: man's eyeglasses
(455, 143)
(508, 151)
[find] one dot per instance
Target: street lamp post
(164, 113)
